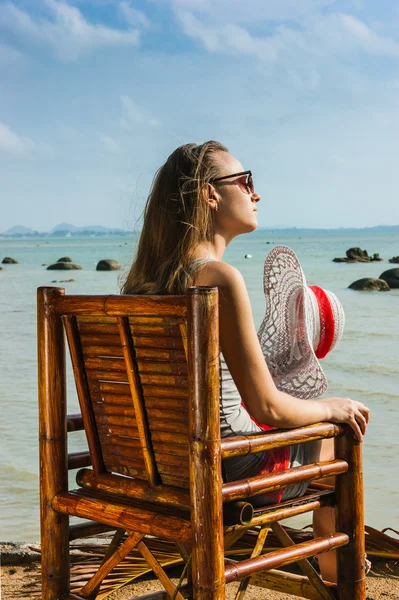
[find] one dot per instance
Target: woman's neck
(214, 249)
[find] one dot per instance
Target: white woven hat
(302, 324)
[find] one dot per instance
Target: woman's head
(184, 210)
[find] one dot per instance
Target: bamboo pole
(260, 484)
(158, 570)
(77, 460)
(52, 444)
(304, 565)
(288, 583)
(122, 513)
(260, 542)
(350, 520)
(247, 444)
(82, 388)
(284, 556)
(204, 444)
(74, 423)
(116, 557)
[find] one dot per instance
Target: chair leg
(55, 555)
(350, 520)
(53, 448)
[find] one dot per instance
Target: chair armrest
(277, 438)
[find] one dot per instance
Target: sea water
(365, 365)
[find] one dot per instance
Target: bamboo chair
(147, 377)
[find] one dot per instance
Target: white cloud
(12, 143)
(133, 16)
(250, 11)
(110, 143)
(134, 115)
(65, 30)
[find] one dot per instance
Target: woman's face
(236, 211)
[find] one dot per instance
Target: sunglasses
(246, 185)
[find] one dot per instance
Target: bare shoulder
(220, 274)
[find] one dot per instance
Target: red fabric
(327, 327)
(277, 459)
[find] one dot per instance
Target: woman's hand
(345, 410)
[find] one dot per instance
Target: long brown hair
(176, 220)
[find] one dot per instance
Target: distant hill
(19, 230)
(64, 229)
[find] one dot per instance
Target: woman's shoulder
(221, 274)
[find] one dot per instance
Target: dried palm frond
(86, 558)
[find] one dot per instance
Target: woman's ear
(210, 196)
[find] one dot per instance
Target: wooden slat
(166, 436)
(98, 339)
(171, 343)
(180, 414)
(162, 392)
(113, 387)
(162, 447)
(95, 375)
(155, 379)
(174, 482)
(101, 350)
(105, 364)
(171, 459)
(160, 354)
(123, 441)
(105, 429)
(172, 404)
(147, 366)
(144, 433)
(120, 305)
(168, 426)
(124, 461)
(155, 330)
(121, 410)
(86, 328)
(112, 399)
(167, 469)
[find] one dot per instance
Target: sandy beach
(382, 584)
(20, 578)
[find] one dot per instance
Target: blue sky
(94, 95)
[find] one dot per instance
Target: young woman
(201, 199)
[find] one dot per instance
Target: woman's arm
(243, 355)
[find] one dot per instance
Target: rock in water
(391, 277)
(376, 257)
(358, 254)
(63, 266)
(9, 261)
(108, 264)
(394, 259)
(369, 284)
(65, 259)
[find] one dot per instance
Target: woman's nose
(255, 197)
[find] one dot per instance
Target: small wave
(10, 471)
(366, 368)
(366, 334)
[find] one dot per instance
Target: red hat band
(327, 324)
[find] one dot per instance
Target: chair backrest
(137, 361)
